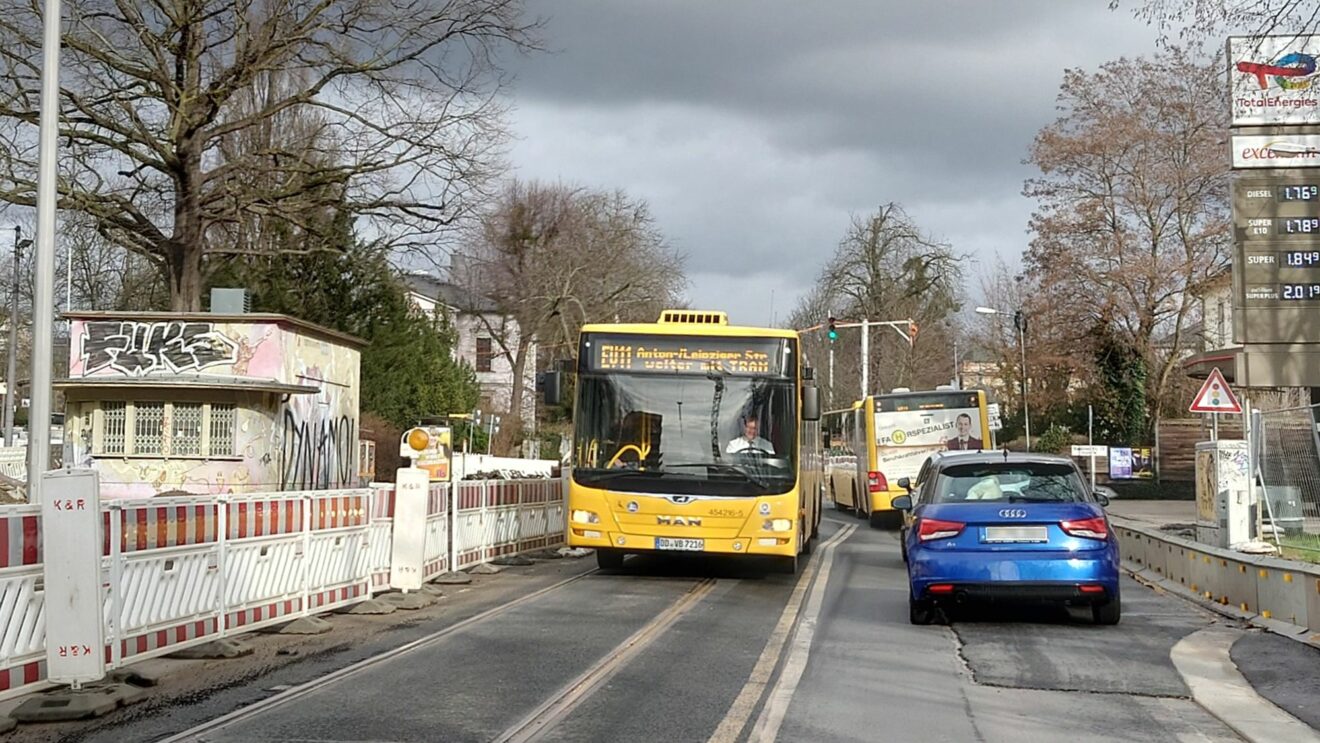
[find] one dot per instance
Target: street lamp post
(11, 371)
(1019, 322)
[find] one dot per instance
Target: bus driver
(749, 438)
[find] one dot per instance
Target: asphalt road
(694, 650)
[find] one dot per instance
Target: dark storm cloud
(756, 128)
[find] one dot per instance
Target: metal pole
(866, 357)
(1026, 410)
(11, 373)
(1090, 440)
(831, 374)
(957, 368)
(1214, 426)
(43, 299)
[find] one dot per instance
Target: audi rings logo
(1012, 513)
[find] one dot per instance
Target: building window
(222, 429)
(485, 354)
(113, 427)
(166, 429)
(186, 432)
(148, 428)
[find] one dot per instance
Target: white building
(487, 341)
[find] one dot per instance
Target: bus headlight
(778, 525)
(585, 517)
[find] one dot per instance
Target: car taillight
(930, 529)
(875, 481)
(1095, 528)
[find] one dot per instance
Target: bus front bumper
(776, 544)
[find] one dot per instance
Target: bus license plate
(683, 545)
(1019, 534)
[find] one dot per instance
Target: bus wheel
(806, 540)
(607, 559)
(834, 496)
(861, 511)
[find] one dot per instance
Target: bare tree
(401, 94)
(553, 257)
(1211, 18)
(1133, 212)
(886, 268)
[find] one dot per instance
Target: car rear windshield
(1009, 482)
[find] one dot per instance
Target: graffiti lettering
(139, 348)
(318, 454)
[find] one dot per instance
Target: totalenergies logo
(1292, 71)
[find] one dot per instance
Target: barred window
(186, 434)
(223, 416)
(149, 428)
(168, 429)
(113, 427)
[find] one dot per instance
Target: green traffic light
(834, 335)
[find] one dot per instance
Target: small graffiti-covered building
(206, 403)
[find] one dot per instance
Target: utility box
(1223, 493)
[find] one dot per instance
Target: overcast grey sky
(755, 129)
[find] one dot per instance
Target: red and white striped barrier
(162, 556)
(180, 571)
(437, 531)
(22, 603)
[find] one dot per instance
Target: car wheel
(1109, 612)
(921, 611)
(609, 559)
(902, 544)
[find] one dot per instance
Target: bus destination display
(735, 356)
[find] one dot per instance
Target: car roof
(992, 456)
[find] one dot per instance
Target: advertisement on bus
(905, 438)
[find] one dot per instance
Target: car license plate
(683, 545)
(1019, 534)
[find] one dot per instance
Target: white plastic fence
(180, 571)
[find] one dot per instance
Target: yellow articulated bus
(883, 438)
(694, 436)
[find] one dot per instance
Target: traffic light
(912, 332)
(833, 332)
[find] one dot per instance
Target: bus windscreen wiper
(726, 469)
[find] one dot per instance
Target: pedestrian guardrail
(180, 571)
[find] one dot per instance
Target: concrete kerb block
(485, 568)
(93, 700)
(301, 626)
(134, 676)
(225, 647)
(369, 607)
(452, 579)
(410, 601)
(433, 590)
(513, 561)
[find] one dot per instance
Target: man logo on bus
(898, 437)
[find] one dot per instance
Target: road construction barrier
(1270, 588)
(183, 570)
(22, 602)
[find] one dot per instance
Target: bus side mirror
(811, 403)
(550, 386)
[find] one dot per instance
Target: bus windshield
(698, 434)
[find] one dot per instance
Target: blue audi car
(1007, 527)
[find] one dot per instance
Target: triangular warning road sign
(1215, 396)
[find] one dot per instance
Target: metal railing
(1288, 466)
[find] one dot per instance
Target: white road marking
(741, 709)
